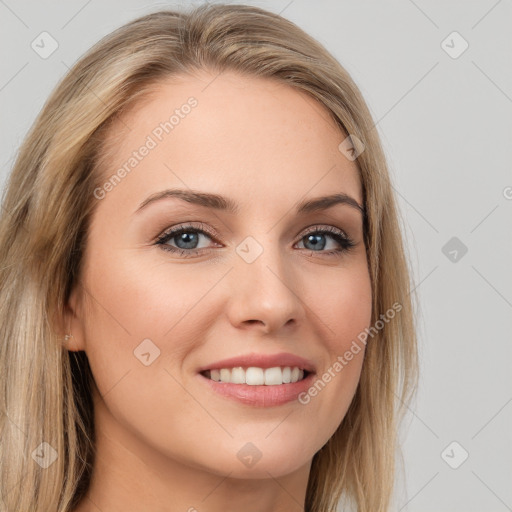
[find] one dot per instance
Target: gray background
(446, 126)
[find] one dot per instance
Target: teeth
(254, 376)
(237, 376)
(273, 376)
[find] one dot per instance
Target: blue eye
(317, 239)
(186, 239)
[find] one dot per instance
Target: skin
(165, 441)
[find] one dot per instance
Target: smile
(255, 376)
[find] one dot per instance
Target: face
(174, 285)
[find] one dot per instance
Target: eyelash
(339, 236)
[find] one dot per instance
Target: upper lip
(262, 361)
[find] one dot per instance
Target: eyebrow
(218, 202)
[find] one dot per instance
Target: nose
(264, 294)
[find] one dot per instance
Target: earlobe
(72, 328)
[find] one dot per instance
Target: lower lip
(260, 396)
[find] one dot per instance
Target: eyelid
(324, 227)
(203, 227)
(184, 226)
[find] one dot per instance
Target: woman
(205, 297)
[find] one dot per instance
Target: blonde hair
(47, 206)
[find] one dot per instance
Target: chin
(263, 459)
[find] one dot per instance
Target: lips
(252, 394)
(259, 396)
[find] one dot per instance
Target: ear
(72, 322)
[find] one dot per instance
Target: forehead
(248, 137)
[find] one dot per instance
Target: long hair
(45, 399)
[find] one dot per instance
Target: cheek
(131, 301)
(148, 300)
(126, 307)
(344, 305)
